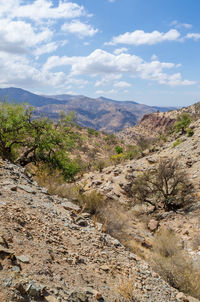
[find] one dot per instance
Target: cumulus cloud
(120, 50)
(18, 36)
(139, 37)
(79, 28)
(194, 36)
(102, 63)
(41, 9)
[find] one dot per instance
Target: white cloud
(122, 84)
(79, 28)
(46, 48)
(118, 51)
(139, 37)
(181, 25)
(107, 79)
(43, 9)
(194, 36)
(102, 63)
(19, 36)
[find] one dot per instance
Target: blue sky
(140, 50)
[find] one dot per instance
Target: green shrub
(118, 158)
(190, 132)
(92, 132)
(111, 139)
(177, 142)
(133, 152)
(25, 140)
(118, 149)
(182, 122)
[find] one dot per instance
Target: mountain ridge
(99, 113)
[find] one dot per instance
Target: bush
(24, 139)
(92, 202)
(118, 158)
(190, 132)
(182, 122)
(174, 265)
(111, 139)
(127, 290)
(100, 165)
(118, 149)
(165, 186)
(177, 142)
(133, 152)
(92, 132)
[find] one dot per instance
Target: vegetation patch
(165, 186)
(174, 264)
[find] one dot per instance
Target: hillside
(51, 251)
(101, 113)
(151, 126)
(90, 241)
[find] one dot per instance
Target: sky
(146, 51)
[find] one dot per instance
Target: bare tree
(167, 186)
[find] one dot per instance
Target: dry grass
(92, 202)
(174, 264)
(127, 290)
(115, 219)
(135, 247)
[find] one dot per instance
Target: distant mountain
(101, 113)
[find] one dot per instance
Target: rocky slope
(51, 251)
(101, 113)
(152, 125)
(115, 183)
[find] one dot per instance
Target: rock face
(49, 252)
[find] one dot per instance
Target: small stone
(24, 259)
(181, 296)
(116, 243)
(51, 299)
(82, 223)
(105, 268)
(27, 189)
(77, 296)
(70, 206)
(16, 269)
(153, 225)
(14, 189)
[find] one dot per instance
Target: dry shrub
(48, 178)
(92, 202)
(135, 247)
(166, 186)
(174, 264)
(115, 219)
(127, 290)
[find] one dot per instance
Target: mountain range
(99, 113)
